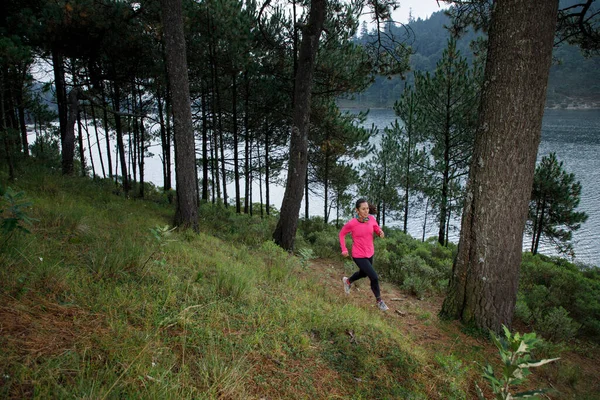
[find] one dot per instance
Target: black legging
(365, 266)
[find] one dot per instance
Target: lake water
(573, 135)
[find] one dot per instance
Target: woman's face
(363, 210)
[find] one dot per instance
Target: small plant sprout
(515, 354)
(306, 254)
(161, 236)
(14, 216)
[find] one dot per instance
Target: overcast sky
(420, 9)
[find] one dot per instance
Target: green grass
(95, 305)
(99, 309)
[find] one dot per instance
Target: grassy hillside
(101, 300)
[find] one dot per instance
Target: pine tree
(554, 198)
(413, 160)
(447, 104)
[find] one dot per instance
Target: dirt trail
(576, 374)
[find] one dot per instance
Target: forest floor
(575, 376)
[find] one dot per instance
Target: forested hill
(574, 80)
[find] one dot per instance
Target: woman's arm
(343, 232)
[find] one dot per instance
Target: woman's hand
(345, 253)
(381, 234)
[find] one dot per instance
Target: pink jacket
(362, 237)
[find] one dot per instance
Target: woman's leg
(365, 266)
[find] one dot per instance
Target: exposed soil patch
(35, 326)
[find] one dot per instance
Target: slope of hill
(102, 300)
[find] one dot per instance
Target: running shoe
(347, 284)
(382, 306)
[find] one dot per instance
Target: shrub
(325, 244)
(522, 310)
(13, 215)
(417, 286)
(557, 326)
(550, 283)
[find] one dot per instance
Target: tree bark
(204, 147)
(185, 149)
(68, 141)
(89, 141)
(267, 171)
(236, 168)
(80, 142)
(93, 112)
(61, 97)
(285, 231)
(21, 111)
(119, 132)
(142, 145)
(483, 287)
(247, 144)
(106, 130)
(537, 233)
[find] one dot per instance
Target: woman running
(362, 227)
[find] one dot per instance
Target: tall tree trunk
(215, 158)
(540, 225)
(142, 146)
(165, 144)
(535, 224)
(483, 286)
(222, 147)
(68, 142)
(326, 183)
(267, 171)
(260, 190)
(61, 97)
(89, 141)
(106, 130)
(287, 225)
(215, 124)
(425, 220)
(80, 142)
(409, 146)
(93, 111)
(443, 207)
(247, 144)
(134, 139)
(119, 132)
(306, 198)
(236, 168)
(185, 149)
(5, 127)
(204, 147)
(21, 111)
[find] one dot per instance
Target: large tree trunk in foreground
(185, 149)
(485, 276)
(285, 231)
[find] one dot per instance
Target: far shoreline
(560, 108)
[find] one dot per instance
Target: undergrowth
(102, 299)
